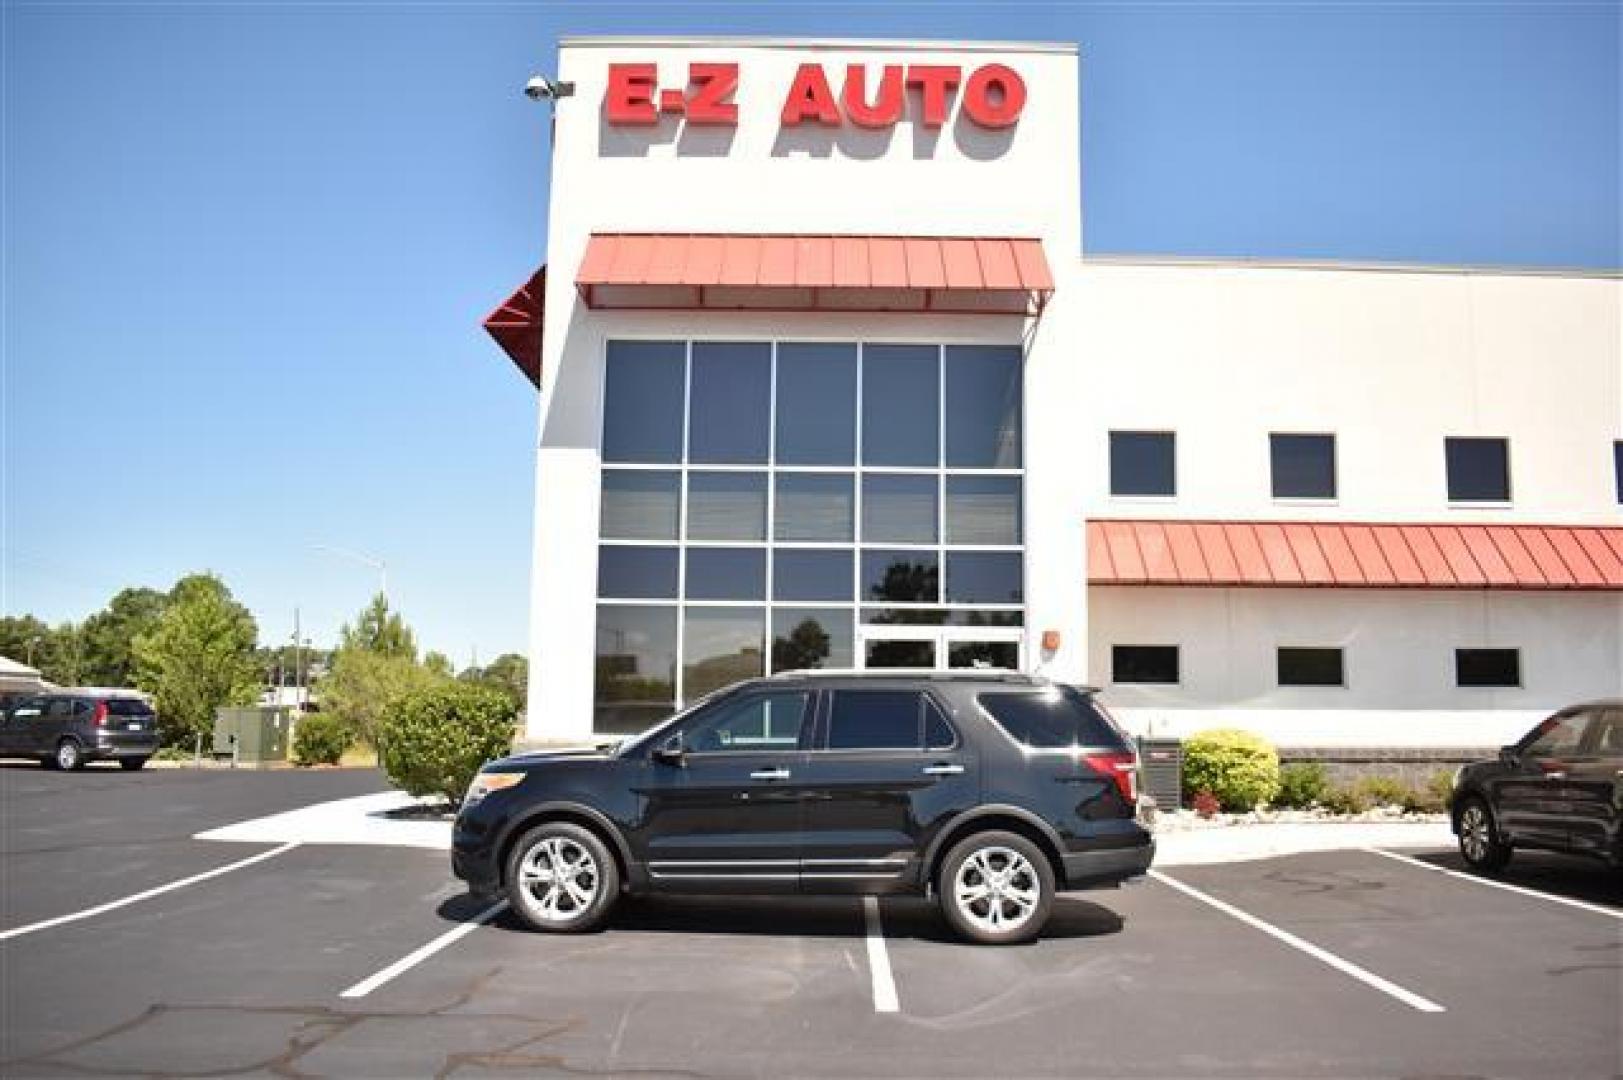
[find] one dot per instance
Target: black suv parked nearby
(989, 791)
(1560, 788)
(68, 728)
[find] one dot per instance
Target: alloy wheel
(997, 890)
(1475, 833)
(561, 878)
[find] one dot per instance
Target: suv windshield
(1059, 717)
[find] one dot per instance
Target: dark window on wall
(1487, 667)
(983, 406)
(1142, 463)
(1311, 667)
(1478, 469)
(728, 409)
(643, 393)
(1144, 664)
(901, 411)
(817, 404)
(1617, 467)
(1304, 466)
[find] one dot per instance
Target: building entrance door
(939, 648)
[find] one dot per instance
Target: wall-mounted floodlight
(541, 88)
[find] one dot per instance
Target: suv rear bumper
(1107, 867)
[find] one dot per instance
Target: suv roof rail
(959, 675)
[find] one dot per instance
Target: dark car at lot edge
(988, 791)
(1560, 788)
(67, 729)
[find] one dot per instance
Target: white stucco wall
(1399, 660)
(759, 177)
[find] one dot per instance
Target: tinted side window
(757, 722)
(59, 707)
(875, 720)
(128, 707)
(1558, 735)
(1606, 734)
(1050, 719)
(938, 734)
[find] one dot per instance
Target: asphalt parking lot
(348, 961)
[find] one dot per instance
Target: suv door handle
(943, 770)
(770, 774)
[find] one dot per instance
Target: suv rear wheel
(996, 888)
(1480, 845)
(69, 755)
(562, 878)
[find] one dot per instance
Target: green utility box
(257, 733)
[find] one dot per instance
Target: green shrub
(433, 740)
(172, 753)
(1239, 768)
(1433, 797)
(1345, 800)
(1301, 785)
(320, 739)
(1384, 790)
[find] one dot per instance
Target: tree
(362, 685)
(56, 652)
(438, 664)
(508, 673)
(198, 658)
(109, 636)
(380, 630)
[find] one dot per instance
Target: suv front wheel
(562, 878)
(996, 888)
(1480, 845)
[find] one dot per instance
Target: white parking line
(1346, 967)
(146, 895)
(884, 985)
(417, 956)
(1505, 885)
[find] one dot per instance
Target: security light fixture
(541, 88)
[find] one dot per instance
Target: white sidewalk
(362, 820)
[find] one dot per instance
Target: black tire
(70, 756)
(132, 764)
(1480, 844)
(561, 910)
(975, 919)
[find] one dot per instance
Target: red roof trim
(968, 275)
(1354, 555)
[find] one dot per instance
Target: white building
(825, 379)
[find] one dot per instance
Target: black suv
(1560, 789)
(68, 728)
(991, 791)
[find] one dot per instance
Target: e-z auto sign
(991, 96)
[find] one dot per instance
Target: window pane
(814, 507)
(874, 720)
(1142, 463)
(904, 655)
(1478, 470)
(901, 389)
(758, 722)
(1304, 466)
(817, 404)
(727, 506)
(1144, 663)
(642, 401)
(900, 576)
(812, 575)
(938, 734)
(1617, 467)
(984, 577)
(636, 667)
(899, 509)
(1310, 667)
(726, 574)
(1050, 720)
(721, 646)
(1560, 734)
(727, 421)
(1487, 667)
(906, 616)
(636, 573)
(983, 510)
(983, 406)
(810, 638)
(984, 654)
(640, 505)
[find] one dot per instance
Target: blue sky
(247, 246)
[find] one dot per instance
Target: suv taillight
(99, 717)
(1122, 767)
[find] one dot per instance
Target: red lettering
(630, 96)
(994, 96)
(934, 82)
(810, 99)
(713, 85)
(886, 109)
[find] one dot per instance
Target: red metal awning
(754, 272)
(516, 325)
(1352, 555)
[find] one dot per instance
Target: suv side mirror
(1508, 755)
(671, 751)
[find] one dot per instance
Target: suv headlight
(487, 782)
